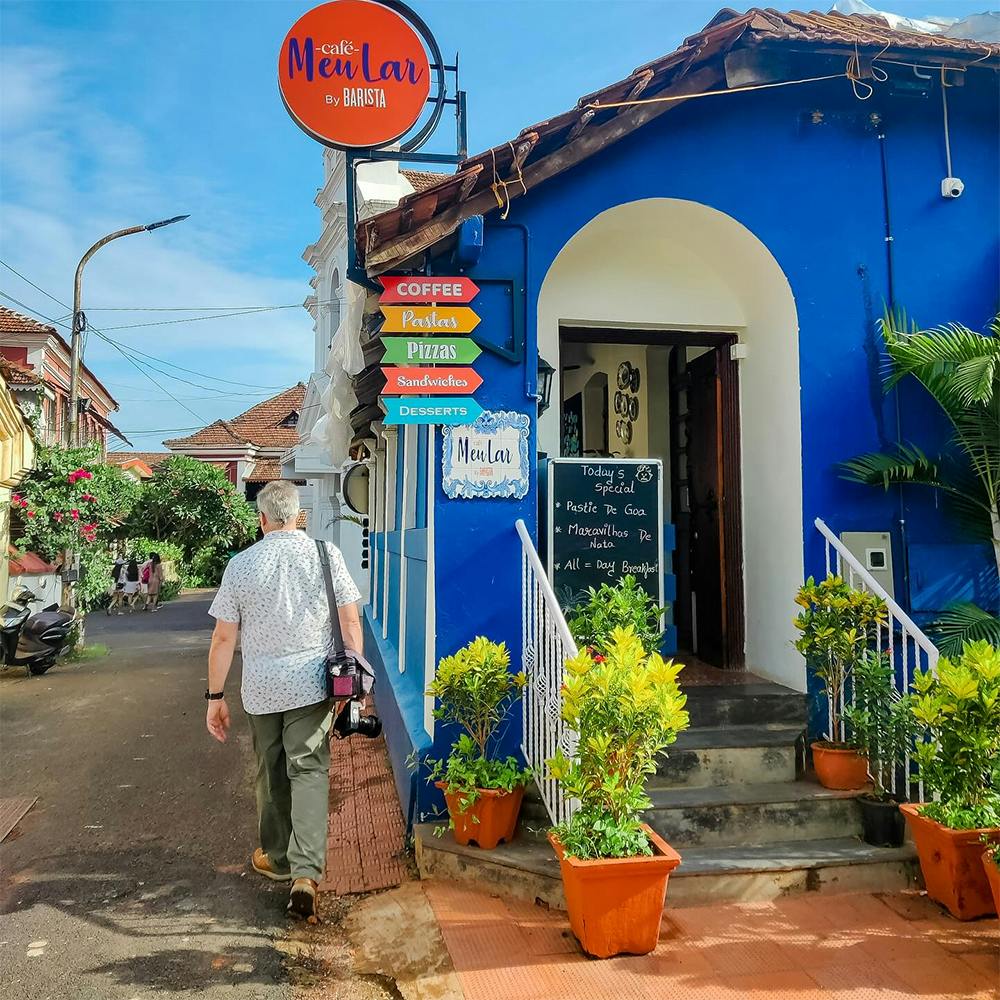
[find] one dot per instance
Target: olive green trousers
(293, 785)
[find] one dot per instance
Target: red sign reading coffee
(404, 289)
(353, 74)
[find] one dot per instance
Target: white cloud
(70, 172)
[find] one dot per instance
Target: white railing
(546, 644)
(907, 646)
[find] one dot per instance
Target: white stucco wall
(665, 264)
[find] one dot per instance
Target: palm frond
(963, 623)
(907, 464)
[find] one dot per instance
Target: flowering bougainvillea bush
(73, 502)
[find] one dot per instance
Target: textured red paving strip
(857, 947)
(366, 838)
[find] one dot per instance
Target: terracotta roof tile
(15, 322)
(262, 425)
(15, 374)
(150, 458)
(265, 471)
(543, 150)
(421, 180)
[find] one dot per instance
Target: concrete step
(528, 869)
(756, 704)
(731, 815)
(731, 755)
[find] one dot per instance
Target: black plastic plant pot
(882, 824)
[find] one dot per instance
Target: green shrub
(620, 606)
(838, 625)
(627, 708)
(880, 719)
(958, 710)
(476, 690)
(207, 565)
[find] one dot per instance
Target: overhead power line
(36, 287)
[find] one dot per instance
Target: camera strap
(339, 652)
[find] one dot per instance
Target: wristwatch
(218, 696)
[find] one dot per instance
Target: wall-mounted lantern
(545, 373)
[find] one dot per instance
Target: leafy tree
(960, 369)
(193, 504)
(73, 502)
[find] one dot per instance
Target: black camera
(351, 721)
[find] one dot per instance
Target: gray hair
(279, 501)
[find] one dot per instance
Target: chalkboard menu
(605, 521)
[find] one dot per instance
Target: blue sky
(117, 113)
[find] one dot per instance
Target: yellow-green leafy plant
(958, 709)
(475, 689)
(627, 708)
(838, 625)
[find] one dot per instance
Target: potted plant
(958, 708)
(627, 708)
(883, 728)
(475, 689)
(600, 611)
(838, 624)
(991, 862)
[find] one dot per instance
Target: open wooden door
(715, 544)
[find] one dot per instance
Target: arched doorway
(692, 298)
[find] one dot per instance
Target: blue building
(736, 250)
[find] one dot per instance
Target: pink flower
(84, 474)
(72, 477)
(90, 528)
(75, 514)
(31, 513)
(57, 516)
(16, 498)
(24, 503)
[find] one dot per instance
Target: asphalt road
(129, 877)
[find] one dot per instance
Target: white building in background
(336, 306)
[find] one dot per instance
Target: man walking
(274, 592)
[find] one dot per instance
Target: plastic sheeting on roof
(983, 27)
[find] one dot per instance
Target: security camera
(952, 187)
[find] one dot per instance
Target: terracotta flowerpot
(615, 904)
(490, 819)
(951, 862)
(839, 767)
(993, 877)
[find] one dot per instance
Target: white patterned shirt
(275, 591)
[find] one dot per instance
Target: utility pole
(80, 321)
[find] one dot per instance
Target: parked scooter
(33, 641)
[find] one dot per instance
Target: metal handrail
(845, 554)
(558, 619)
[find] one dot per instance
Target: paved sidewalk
(852, 947)
(366, 847)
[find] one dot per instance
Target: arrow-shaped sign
(451, 410)
(429, 319)
(420, 350)
(430, 381)
(433, 289)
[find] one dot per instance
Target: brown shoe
(261, 864)
(302, 900)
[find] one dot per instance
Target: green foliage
(207, 565)
(838, 625)
(625, 604)
(958, 711)
(627, 708)
(880, 719)
(963, 623)
(475, 689)
(960, 369)
(465, 772)
(193, 504)
(72, 501)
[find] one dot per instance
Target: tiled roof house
(35, 364)
(249, 446)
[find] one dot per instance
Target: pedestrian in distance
(274, 593)
(154, 581)
(117, 589)
(130, 584)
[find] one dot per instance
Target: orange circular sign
(353, 74)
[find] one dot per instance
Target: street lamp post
(79, 321)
